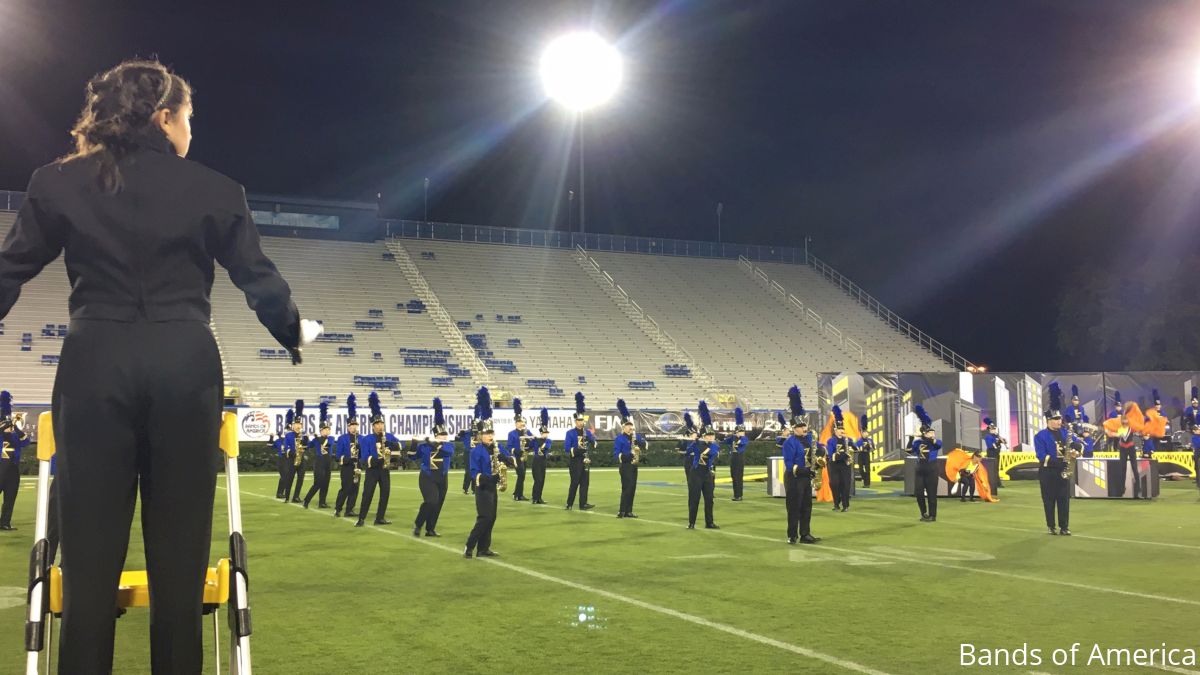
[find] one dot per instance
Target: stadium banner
(959, 402)
(260, 423)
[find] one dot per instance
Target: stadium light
(580, 71)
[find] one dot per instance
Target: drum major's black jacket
(146, 252)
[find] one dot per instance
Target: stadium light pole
(426, 201)
(580, 71)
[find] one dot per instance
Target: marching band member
(294, 443)
(541, 452)
(798, 474)
(577, 444)
(992, 441)
(322, 447)
(348, 454)
(966, 477)
(1122, 428)
(1191, 424)
(703, 476)
(281, 455)
(737, 452)
(376, 458)
(1074, 415)
(627, 452)
(840, 453)
(1052, 446)
(484, 456)
(925, 448)
(1113, 423)
(865, 447)
(518, 444)
(1086, 442)
(467, 438)
(12, 439)
(1157, 426)
(434, 458)
(684, 447)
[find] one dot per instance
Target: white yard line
(965, 568)
(972, 524)
(659, 609)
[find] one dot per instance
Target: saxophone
(499, 468)
(385, 455)
(815, 462)
(1068, 454)
(299, 453)
(354, 458)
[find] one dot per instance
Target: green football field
(577, 592)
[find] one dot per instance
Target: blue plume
(923, 416)
(739, 417)
(5, 404)
(837, 414)
(1117, 398)
(987, 421)
(439, 418)
(1154, 394)
(794, 401)
(579, 402)
(1196, 393)
(477, 411)
(705, 415)
(862, 423)
(545, 418)
(622, 409)
(517, 409)
(1074, 390)
(351, 407)
(484, 397)
(324, 408)
(299, 408)
(373, 401)
(782, 421)
(288, 418)
(1056, 396)
(687, 422)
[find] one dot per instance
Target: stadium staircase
(651, 328)
(449, 330)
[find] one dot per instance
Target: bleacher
(749, 342)
(28, 351)
(852, 319)
(559, 326)
(352, 293)
(566, 325)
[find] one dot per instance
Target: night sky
(966, 162)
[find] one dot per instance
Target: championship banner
(258, 424)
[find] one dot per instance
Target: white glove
(309, 331)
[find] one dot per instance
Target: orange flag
(957, 460)
(1137, 421)
(825, 494)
